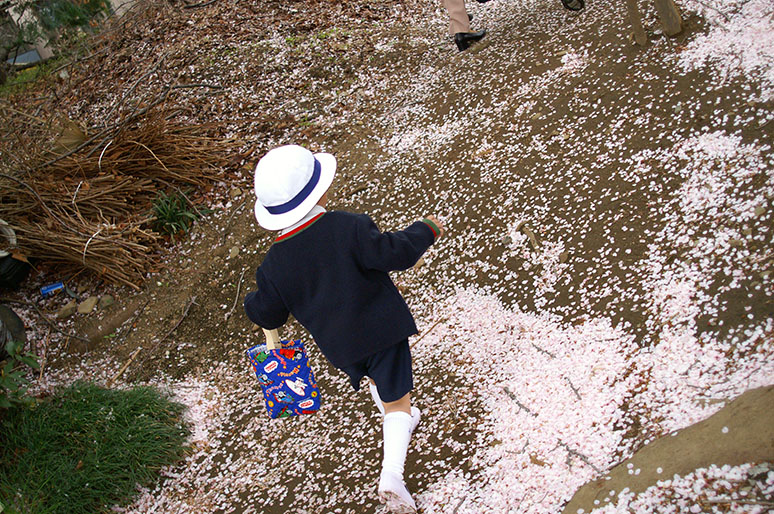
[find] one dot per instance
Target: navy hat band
(301, 196)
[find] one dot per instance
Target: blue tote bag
(287, 381)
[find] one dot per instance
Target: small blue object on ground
(51, 288)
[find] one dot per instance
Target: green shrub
(67, 14)
(86, 449)
(13, 381)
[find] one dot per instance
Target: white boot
(393, 493)
(392, 490)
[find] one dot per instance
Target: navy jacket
(332, 275)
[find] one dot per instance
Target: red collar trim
(297, 229)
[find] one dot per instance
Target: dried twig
(521, 405)
(236, 297)
(228, 222)
(203, 4)
(185, 313)
(45, 355)
(124, 367)
(747, 502)
(543, 351)
(571, 452)
(426, 332)
(574, 390)
(133, 322)
(152, 350)
(100, 222)
(134, 86)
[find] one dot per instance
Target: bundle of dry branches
(87, 202)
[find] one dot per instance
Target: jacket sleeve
(265, 307)
(392, 251)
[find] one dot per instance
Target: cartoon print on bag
(283, 397)
(298, 386)
(264, 380)
(290, 353)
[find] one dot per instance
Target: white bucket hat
(289, 180)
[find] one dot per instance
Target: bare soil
(480, 138)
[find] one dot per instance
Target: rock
(507, 240)
(736, 243)
(747, 231)
(749, 417)
(233, 252)
(760, 210)
(67, 310)
(87, 305)
(235, 192)
(106, 301)
(563, 257)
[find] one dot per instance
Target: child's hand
(437, 224)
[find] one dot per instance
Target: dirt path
(648, 188)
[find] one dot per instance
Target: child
(330, 270)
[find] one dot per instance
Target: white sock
(397, 434)
(375, 396)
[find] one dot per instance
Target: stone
(233, 252)
(747, 231)
(235, 192)
(760, 210)
(736, 243)
(507, 240)
(749, 417)
(105, 301)
(563, 257)
(67, 310)
(87, 305)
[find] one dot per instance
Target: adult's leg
(458, 16)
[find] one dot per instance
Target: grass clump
(172, 214)
(86, 449)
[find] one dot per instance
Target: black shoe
(573, 5)
(464, 39)
(482, 1)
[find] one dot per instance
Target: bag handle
(272, 339)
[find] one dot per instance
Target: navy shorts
(390, 369)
